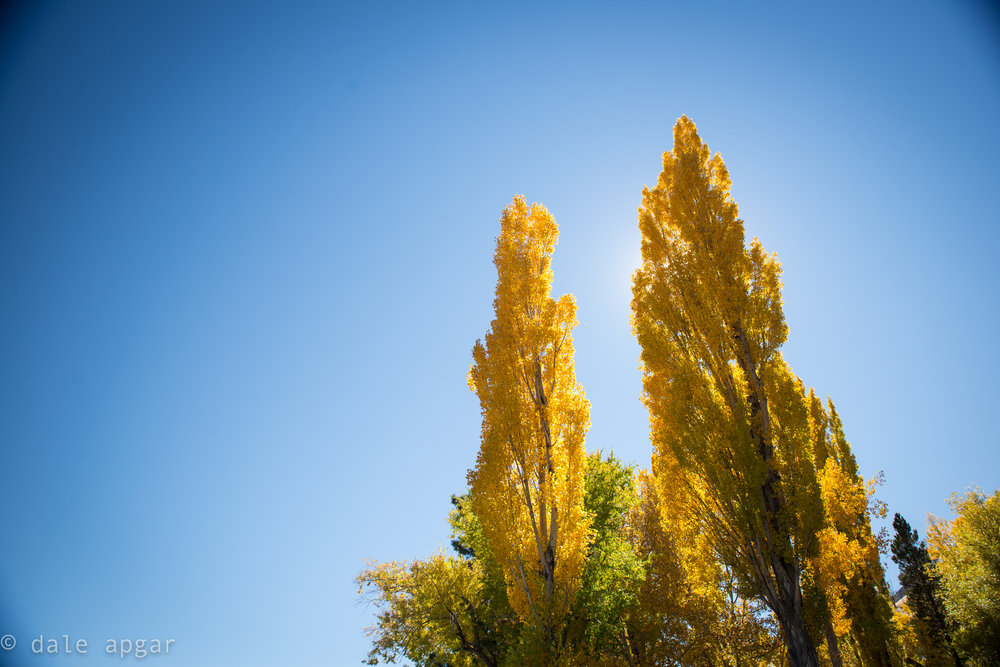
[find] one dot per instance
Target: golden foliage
(428, 608)
(689, 610)
(845, 565)
(840, 555)
(730, 422)
(754, 497)
(967, 554)
(528, 484)
(707, 315)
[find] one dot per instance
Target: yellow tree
(966, 551)
(689, 610)
(674, 608)
(431, 612)
(528, 484)
(707, 314)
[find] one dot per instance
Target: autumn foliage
(527, 486)
(748, 542)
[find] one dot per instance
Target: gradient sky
(246, 249)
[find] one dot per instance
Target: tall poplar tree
(527, 486)
(707, 314)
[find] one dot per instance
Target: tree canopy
(527, 486)
(749, 540)
(966, 551)
(732, 423)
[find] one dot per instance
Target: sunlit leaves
(769, 477)
(707, 314)
(967, 551)
(428, 610)
(527, 486)
(754, 524)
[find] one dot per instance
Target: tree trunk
(779, 573)
(831, 644)
(954, 653)
(801, 650)
(943, 624)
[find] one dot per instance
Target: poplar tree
(707, 314)
(527, 486)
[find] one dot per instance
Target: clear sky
(246, 249)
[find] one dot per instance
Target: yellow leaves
(527, 486)
(818, 428)
(846, 564)
(728, 418)
(707, 314)
(753, 481)
(838, 560)
(844, 497)
(967, 554)
(426, 608)
(848, 502)
(765, 320)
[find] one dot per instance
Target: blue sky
(246, 251)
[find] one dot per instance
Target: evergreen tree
(921, 587)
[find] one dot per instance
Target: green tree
(613, 571)
(450, 610)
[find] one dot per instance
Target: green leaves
(614, 570)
